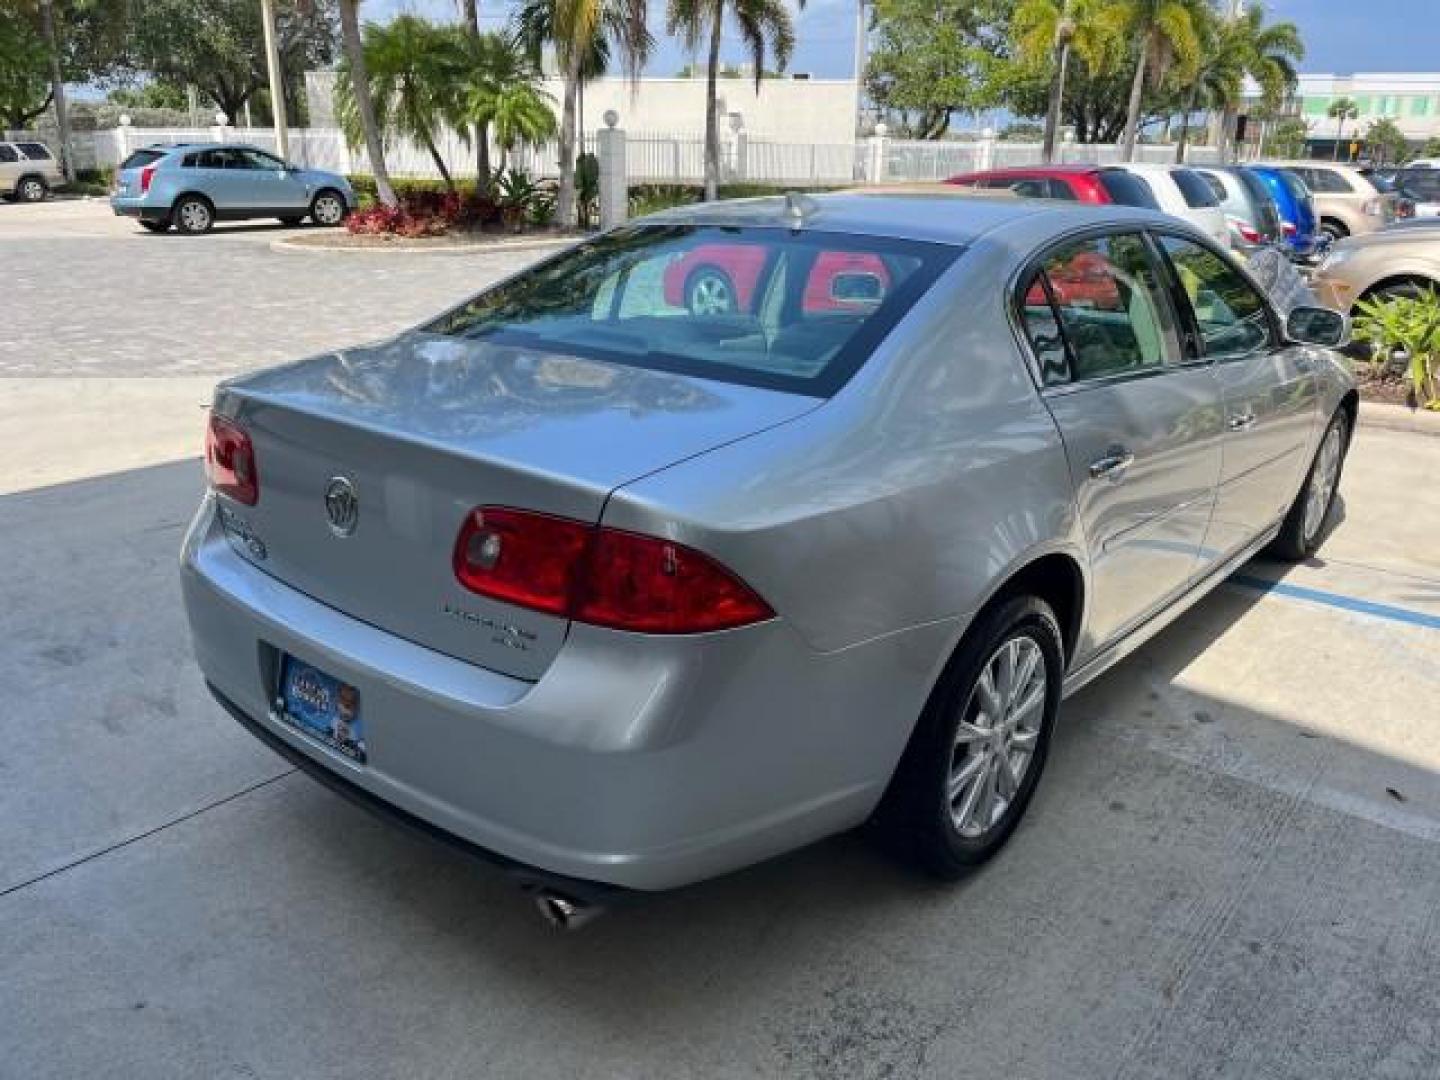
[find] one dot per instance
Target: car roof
(957, 219)
(1039, 171)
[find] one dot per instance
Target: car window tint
(258, 159)
(7, 153)
(1111, 306)
(788, 309)
(34, 151)
(1198, 194)
(1325, 181)
(140, 158)
(1229, 310)
(1215, 184)
(1127, 189)
(1061, 189)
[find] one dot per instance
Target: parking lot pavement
(1232, 867)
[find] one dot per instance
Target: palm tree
(764, 25)
(582, 32)
(1340, 110)
(503, 90)
(414, 71)
(1048, 30)
(1164, 35)
(1268, 54)
(470, 26)
(1218, 78)
(358, 85)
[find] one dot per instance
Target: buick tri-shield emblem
(342, 506)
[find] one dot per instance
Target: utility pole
(277, 83)
(57, 86)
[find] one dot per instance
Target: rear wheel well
(1419, 280)
(1337, 227)
(1057, 580)
(1350, 406)
(193, 195)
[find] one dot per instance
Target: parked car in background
(1420, 188)
(193, 185)
(624, 594)
(28, 171)
(1401, 260)
(1101, 185)
(1345, 202)
(1298, 221)
(1185, 194)
(1248, 206)
(723, 279)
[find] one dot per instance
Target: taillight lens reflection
(606, 577)
(230, 461)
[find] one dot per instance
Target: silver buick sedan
(747, 523)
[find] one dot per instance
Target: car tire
(709, 291)
(31, 189)
(1303, 530)
(1403, 290)
(946, 808)
(1333, 229)
(292, 221)
(192, 214)
(328, 208)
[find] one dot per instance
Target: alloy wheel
(32, 191)
(997, 737)
(711, 294)
(1322, 482)
(194, 216)
(328, 210)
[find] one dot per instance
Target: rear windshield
(140, 158)
(1127, 189)
(787, 309)
(34, 151)
(1198, 194)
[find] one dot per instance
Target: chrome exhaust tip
(563, 913)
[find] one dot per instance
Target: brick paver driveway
(86, 293)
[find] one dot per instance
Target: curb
(291, 246)
(1386, 417)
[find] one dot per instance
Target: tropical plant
(1406, 328)
(583, 32)
(1432, 148)
(1340, 110)
(519, 198)
(1165, 37)
(502, 90)
(1045, 33)
(765, 27)
(413, 70)
(1266, 53)
(357, 86)
(1288, 138)
(1385, 142)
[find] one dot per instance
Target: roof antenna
(799, 206)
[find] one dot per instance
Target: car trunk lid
(424, 428)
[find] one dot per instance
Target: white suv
(27, 171)
(1183, 193)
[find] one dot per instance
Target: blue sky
(1341, 36)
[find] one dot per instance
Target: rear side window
(1127, 189)
(140, 158)
(1215, 184)
(1229, 310)
(7, 153)
(1262, 201)
(34, 151)
(1325, 181)
(1198, 194)
(786, 309)
(1061, 189)
(1096, 309)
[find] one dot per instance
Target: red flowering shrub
(425, 213)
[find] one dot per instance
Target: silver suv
(28, 170)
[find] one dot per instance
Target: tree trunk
(1190, 100)
(364, 105)
(470, 19)
(439, 162)
(1339, 134)
(565, 197)
(712, 129)
(1057, 95)
(57, 87)
(1229, 149)
(1132, 113)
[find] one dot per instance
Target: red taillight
(230, 461)
(1249, 234)
(146, 175)
(598, 575)
(1288, 228)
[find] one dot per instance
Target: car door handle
(1241, 421)
(1113, 465)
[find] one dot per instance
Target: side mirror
(1317, 326)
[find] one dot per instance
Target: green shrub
(1410, 326)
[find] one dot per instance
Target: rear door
(1141, 424)
(1267, 389)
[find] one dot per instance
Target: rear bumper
(139, 209)
(634, 761)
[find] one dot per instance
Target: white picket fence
(650, 157)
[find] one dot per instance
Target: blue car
(193, 185)
(1292, 199)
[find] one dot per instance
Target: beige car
(1401, 260)
(1346, 203)
(28, 171)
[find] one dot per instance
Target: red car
(1077, 183)
(720, 279)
